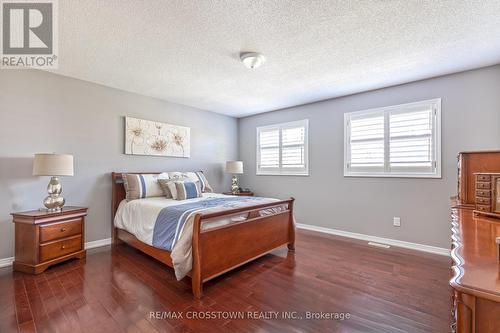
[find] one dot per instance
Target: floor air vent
(385, 246)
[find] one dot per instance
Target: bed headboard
(118, 190)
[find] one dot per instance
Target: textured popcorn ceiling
(187, 51)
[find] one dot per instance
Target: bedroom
(275, 95)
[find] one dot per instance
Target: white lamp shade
(234, 167)
(53, 165)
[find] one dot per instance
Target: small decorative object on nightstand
(240, 194)
(47, 238)
(53, 165)
(236, 168)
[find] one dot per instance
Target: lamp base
(234, 185)
(54, 201)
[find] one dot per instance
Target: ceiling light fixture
(252, 59)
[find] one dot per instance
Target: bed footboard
(218, 250)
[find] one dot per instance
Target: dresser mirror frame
(495, 198)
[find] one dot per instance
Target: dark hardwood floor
(383, 290)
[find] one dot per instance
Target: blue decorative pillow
(187, 189)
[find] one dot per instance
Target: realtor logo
(29, 34)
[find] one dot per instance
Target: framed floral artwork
(145, 137)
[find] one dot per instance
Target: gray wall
(470, 121)
(43, 112)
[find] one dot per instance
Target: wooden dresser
(44, 239)
(476, 268)
(476, 265)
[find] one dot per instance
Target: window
(395, 141)
(282, 149)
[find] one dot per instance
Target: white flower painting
(145, 137)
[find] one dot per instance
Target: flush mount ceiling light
(252, 59)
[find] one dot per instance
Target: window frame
(401, 172)
(280, 171)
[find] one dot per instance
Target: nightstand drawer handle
(63, 247)
(63, 229)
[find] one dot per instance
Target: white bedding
(138, 217)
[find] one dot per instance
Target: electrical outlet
(396, 221)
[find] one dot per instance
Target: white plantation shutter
(282, 148)
(293, 149)
(269, 148)
(410, 139)
(367, 141)
(396, 141)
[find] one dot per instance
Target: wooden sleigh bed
(218, 250)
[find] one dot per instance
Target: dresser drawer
(60, 230)
(60, 248)
(483, 201)
(483, 193)
(483, 178)
(483, 185)
(483, 208)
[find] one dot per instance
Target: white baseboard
(88, 245)
(97, 243)
(369, 238)
(6, 262)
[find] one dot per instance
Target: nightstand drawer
(60, 230)
(483, 208)
(483, 185)
(483, 193)
(483, 178)
(483, 201)
(60, 248)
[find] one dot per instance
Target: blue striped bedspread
(171, 220)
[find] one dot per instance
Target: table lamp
(234, 167)
(53, 165)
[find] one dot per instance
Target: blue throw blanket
(171, 220)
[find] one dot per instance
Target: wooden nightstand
(44, 239)
(240, 194)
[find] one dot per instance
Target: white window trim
(388, 174)
(280, 171)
